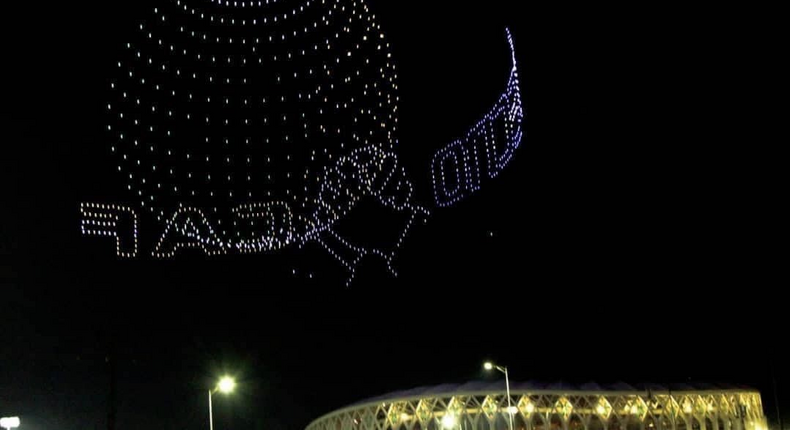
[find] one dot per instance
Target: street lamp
(490, 366)
(9, 423)
(225, 386)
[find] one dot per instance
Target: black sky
(623, 242)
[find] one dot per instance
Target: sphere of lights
(288, 105)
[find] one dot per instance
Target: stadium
(560, 406)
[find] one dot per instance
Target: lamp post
(490, 366)
(225, 386)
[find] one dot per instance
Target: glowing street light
(491, 366)
(9, 423)
(226, 385)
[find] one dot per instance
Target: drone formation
(246, 127)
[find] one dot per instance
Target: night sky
(624, 241)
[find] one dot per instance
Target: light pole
(490, 366)
(225, 386)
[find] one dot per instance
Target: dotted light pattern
(372, 173)
(392, 190)
(104, 220)
(292, 106)
(367, 172)
(223, 103)
(456, 168)
(193, 230)
(219, 106)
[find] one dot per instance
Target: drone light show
(249, 127)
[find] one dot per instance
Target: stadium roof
(534, 386)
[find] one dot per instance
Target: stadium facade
(534, 406)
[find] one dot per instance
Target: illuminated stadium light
(449, 421)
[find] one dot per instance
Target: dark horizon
(621, 243)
